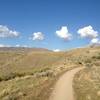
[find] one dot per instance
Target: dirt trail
(63, 89)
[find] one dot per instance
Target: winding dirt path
(63, 89)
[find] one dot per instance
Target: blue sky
(48, 16)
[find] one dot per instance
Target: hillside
(29, 73)
(87, 82)
(24, 73)
(23, 49)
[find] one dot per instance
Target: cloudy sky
(52, 24)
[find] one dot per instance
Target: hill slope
(29, 74)
(87, 81)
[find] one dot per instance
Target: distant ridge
(23, 49)
(95, 45)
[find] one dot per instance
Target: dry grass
(29, 74)
(87, 82)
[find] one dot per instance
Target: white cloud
(5, 32)
(88, 32)
(2, 45)
(38, 36)
(56, 50)
(17, 45)
(95, 41)
(63, 33)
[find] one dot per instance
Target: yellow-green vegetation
(87, 82)
(29, 75)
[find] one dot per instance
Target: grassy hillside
(29, 74)
(87, 82)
